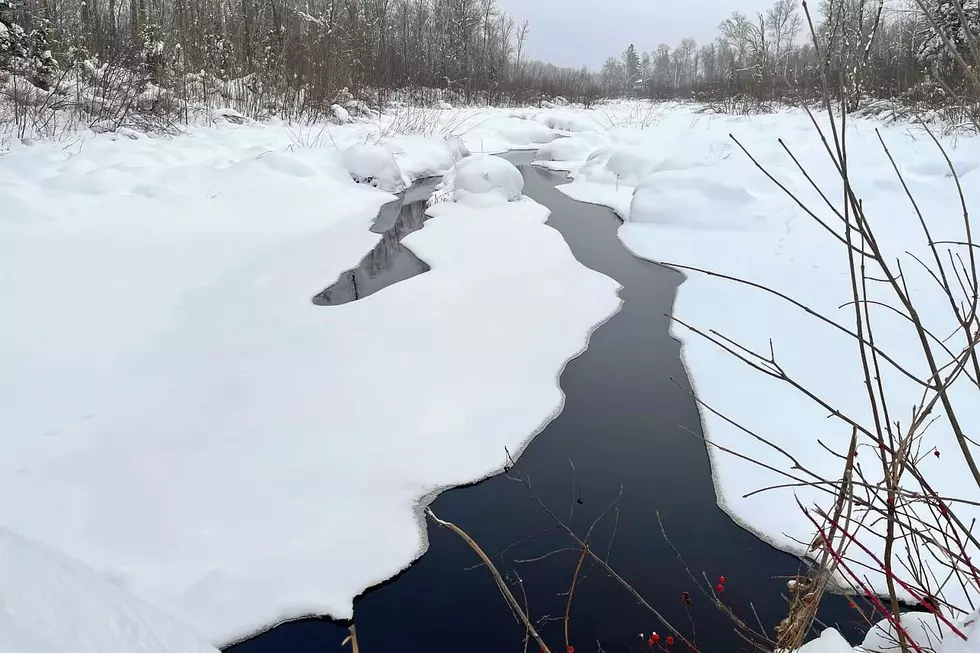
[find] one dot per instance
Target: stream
(624, 436)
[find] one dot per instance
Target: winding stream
(626, 428)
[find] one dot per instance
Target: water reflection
(390, 261)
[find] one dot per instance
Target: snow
(574, 149)
(924, 629)
(689, 196)
(482, 178)
(374, 165)
(50, 603)
(340, 114)
(176, 413)
(420, 156)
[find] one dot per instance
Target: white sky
(586, 32)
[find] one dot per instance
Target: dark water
(389, 262)
(623, 429)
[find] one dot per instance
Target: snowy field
(177, 415)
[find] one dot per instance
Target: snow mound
(375, 166)
(928, 633)
(518, 133)
(630, 165)
(50, 603)
(229, 115)
(574, 148)
(923, 628)
(340, 114)
(482, 178)
(419, 156)
(569, 122)
(696, 201)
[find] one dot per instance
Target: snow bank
(497, 131)
(569, 122)
(50, 603)
(629, 165)
(374, 165)
(689, 200)
(419, 156)
(574, 149)
(203, 434)
(927, 631)
(482, 178)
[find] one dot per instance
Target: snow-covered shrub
(481, 178)
(228, 115)
(340, 114)
(374, 165)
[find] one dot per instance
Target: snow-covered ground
(50, 603)
(179, 416)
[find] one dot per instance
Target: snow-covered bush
(374, 165)
(483, 179)
(340, 114)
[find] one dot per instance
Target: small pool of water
(623, 435)
(390, 261)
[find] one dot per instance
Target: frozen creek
(630, 428)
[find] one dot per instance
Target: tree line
(470, 50)
(898, 47)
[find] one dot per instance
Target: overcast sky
(586, 32)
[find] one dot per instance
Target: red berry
(686, 598)
(719, 588)
(670, 640)
(650, 642)
(721, 579)
(937, 453)
(654, 638)
(571, 649)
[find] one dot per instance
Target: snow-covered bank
(178, 415)
(50, 603)
(689, 196)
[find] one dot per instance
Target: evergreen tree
(13, 50)
(933, 51)
(43, 67)
(631, 60)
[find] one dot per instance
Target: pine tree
(13, 50)
(632, 62)
(933, 50)
(43, 67)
